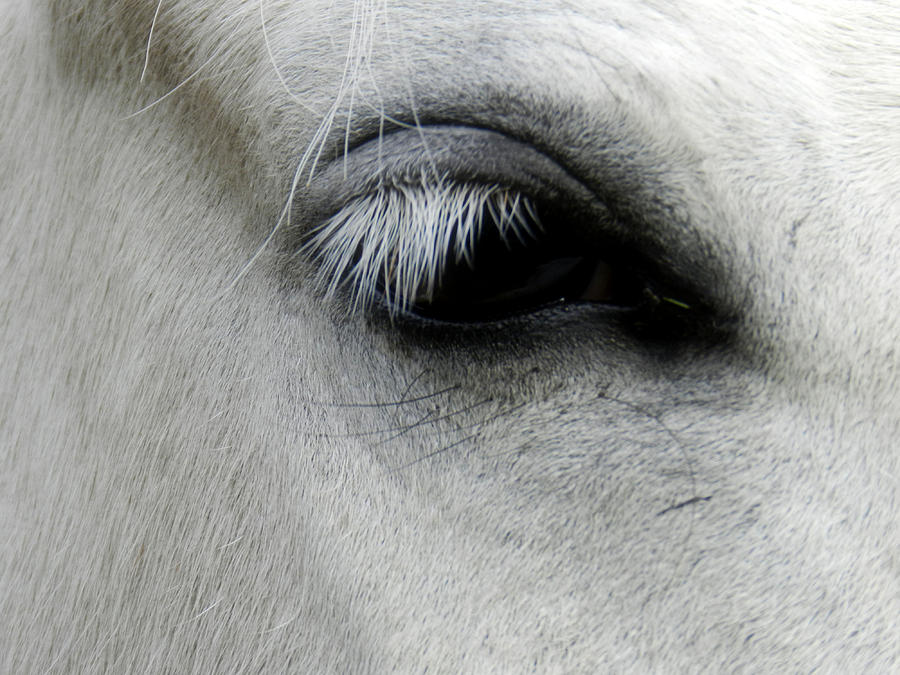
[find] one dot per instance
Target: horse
(366, 336)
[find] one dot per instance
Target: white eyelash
(397, 241)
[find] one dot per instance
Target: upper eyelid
(460, 154)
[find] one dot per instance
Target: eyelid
(464, 155)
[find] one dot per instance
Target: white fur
(207, 466)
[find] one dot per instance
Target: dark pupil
(518, 274)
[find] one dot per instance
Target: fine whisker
(386, 404)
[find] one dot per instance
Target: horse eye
(508, 273)
(466, 252)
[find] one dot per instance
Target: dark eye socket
(511, 273)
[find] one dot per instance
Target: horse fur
(210, 466)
